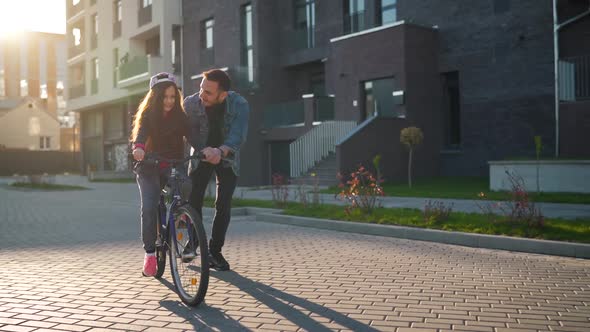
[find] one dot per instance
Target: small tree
(411, 137)
(538, 149)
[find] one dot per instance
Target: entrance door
(280, 160)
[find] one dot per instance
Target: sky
(34, 15)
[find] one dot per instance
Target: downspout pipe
(556, 27)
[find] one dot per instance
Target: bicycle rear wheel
(189, 261)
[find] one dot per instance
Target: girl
(159, 126)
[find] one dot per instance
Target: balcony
(284, 114)
(73, 10)
(116, 29)
(144, 16)
(574, 78)
(75, 50)
(138, 70)
(77, 91)
(94, 86)
(323, 109)
(93, 41)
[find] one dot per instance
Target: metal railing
(316, 144)
(136, 66)
(284, 114)
(574, 78)
(144, 16)
(77, 91)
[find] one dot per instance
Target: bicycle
(181, 233)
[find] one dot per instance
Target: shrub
(361, 191)
(280, 190)
(436, 211)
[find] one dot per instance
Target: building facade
(476, 77)
(32, 101)
(114, 47)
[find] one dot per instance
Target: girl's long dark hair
(151, 108)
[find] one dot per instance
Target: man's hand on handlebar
(212, 155)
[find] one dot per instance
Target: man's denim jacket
(235, 127)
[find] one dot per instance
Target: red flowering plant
(361, 191)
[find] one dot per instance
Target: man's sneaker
(188, 254)
(149, 265)
(217, 262)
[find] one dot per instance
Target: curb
(545, 247)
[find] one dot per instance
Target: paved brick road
(71, 261)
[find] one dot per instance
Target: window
(207, 34)
(75, 2)
(354, 16)
(119, 11)
(44, 142)
(387, 12)
(95, 68)
(305, 23)
(95, 24)
(246, 43)
(451, 107)
(379, 98)
(146, 3)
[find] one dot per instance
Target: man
(219, 123)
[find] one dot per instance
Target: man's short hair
(219, 76)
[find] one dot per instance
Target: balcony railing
(94, 86)
(323, 109)
(73, 10)
(75, 50)
(93, 41)
(77, 91)
(116, 29)
(284, 114)
(138, 70)
(144, 16)
(574, 78)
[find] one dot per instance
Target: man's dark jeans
(226, 185)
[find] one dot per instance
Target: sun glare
(33, 15)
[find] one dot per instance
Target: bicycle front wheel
(189, 261)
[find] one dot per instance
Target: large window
(354, 15)
(378, 98)
(118, 14)
(146, 3)
(247, 42)
(207, 33)
(451, 109)
(305, 23)
(360, 15)
(387, 11)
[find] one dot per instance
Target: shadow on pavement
(283, 304)
(202, 317)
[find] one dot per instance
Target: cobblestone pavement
(71, 261)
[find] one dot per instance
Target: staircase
(325, 172)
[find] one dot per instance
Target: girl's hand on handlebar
(138, 154)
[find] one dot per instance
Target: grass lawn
(46, 186)
(467, 188)
(555, 229)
